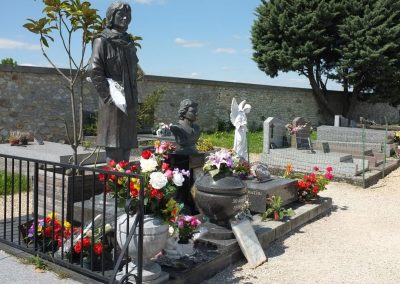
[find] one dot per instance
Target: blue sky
(200, 39)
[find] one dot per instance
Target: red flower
(316, 168)
(98, 248)
(155, 193)
(77, 248)
(164, 166)
(47, 232)
(146, 154)
(123, 164)
(86, 242)
(134, 168)
(315, 189)
(329, 169)
(328, 176)
(101, 177)
(112, 163)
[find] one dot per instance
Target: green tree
(63, 19)
(354, 42)
(370, 62)
(8, 61)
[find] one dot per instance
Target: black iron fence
(64, 214)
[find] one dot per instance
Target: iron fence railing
(63, 214)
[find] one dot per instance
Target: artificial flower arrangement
(160, 182)
(187, 226)
(163, 129)
(50, 232)
(294, 129)
(228, 162)
(310, 185)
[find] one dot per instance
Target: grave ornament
(239, 120)
(114, 60)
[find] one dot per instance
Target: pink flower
(315, 168)
(328, 176)
(168, 173)
(329, 169)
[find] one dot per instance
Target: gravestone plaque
(248, 242)
(274, 131)
(258, 192)
(337, 120)
(325, 147)
(302, 135)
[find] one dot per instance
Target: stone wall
(35, 99)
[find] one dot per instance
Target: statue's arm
(97, 71)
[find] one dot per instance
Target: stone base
(151, 273)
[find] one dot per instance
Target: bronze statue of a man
(114, 57)
(186, 132)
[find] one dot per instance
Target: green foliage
(353, 42)
(9, 183)
(225, 140)
(204, 145)
(275, 205)
(145, 116)
(313, 135)
(37, 262)
(225, 125)
(9, 61)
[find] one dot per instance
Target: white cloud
(149, 1)
(189, 43)
(194, 75)
(28, 64)
(225, 50)
(6, 43)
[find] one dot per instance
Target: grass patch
(9, 182)
(35, 261)
(225, 140)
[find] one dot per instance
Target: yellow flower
(52, 215)
(157, 143)
(67, 225)
(134, 180)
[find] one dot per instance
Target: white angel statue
(239, 120)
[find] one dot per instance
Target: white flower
(158, 180)
(148, 165)
(107, 228)
(177, 178)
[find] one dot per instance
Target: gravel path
(357, 242)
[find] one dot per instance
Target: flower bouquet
(50, 232)
(310, 185)
(187, 226)
(160, 182)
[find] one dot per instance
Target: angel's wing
(234, 111)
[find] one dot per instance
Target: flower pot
(219, 198)
(276, 216)
(155, 235)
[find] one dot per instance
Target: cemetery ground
(357, 241)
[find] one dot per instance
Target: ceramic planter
(219, 198)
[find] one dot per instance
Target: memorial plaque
(248, 242)
(258, 192)
(303, 143)
(325, 147)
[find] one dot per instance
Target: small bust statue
(186, 132)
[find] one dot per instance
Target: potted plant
(242, 169)
(219, 194)
(275, 209)
(310, 185)
(14, 137)
(160, 208)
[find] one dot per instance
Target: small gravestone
(325, 147)
(337, 120)
(248, 242)
(274, 133)
(303, 134)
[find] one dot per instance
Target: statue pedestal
(194, 163)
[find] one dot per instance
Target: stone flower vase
(220, 197)
(155, 235)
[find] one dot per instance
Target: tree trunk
(327, 112)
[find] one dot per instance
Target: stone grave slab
(258, 192)
(248, 242)
(52, 152)
(274, 133)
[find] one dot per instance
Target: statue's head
(118, 15)
(188, 110)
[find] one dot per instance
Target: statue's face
(122, 19)
(191, 113)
